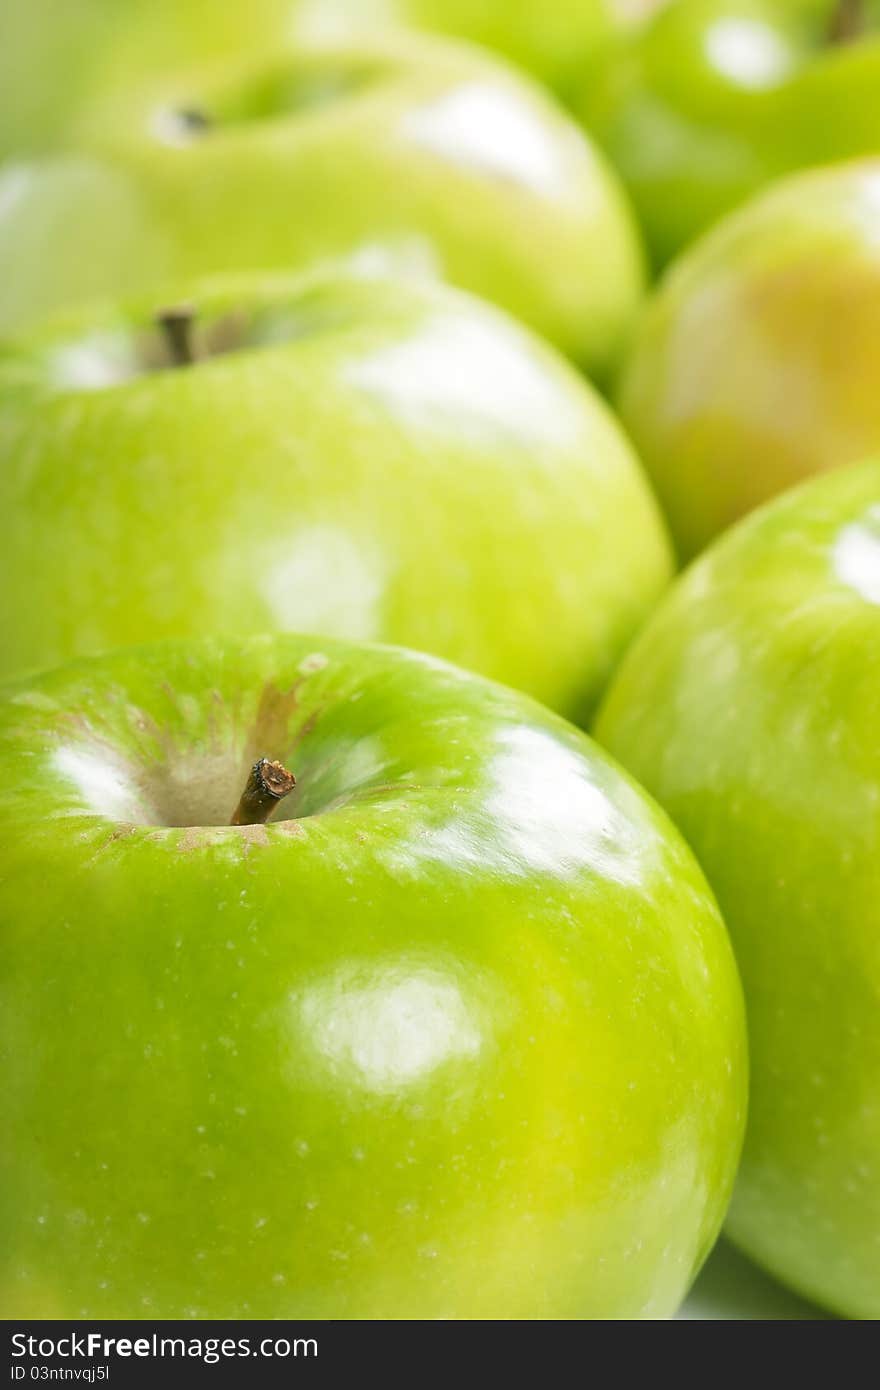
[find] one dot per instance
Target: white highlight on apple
(16, 182)
(326, 581)
(92, 365)
(748, 51)
(102, 787)
(491, 129)
(476, 375)
(545, 814)
(856, 555)
(335, 19)
(864, 206)
(553, 817)
(388, 1027)
(412, 256)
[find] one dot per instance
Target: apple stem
(847, 21)
(192, 119)
(268, 784)
(176, 323)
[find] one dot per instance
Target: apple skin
(414, 154)
(459, 1036)
(757, 362)
(54, 58)
(749, 707)
(379, 460)
(712, 99)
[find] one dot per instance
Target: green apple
(758, 361)
(714, 98)
(366, 458)
(551, 38)
(750, 707)
(419, 154)
(56, 54)
(457, 1034)
(732, 1288)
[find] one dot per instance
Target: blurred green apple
(362, 458)
(414, 153)
(55, 55)
(714, 98)
(750, 707)
(457, 1034)
(758, 361)
(733, 1288)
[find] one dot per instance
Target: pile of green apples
(351, 437)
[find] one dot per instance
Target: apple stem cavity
(269, 783)
(848, 21)
(193, 120)
(176, 324)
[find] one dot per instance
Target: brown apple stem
(176, 322)
(848, 21)
(268, 784)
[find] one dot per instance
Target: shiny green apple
(55, 55)
(360, 457)
(457, 1034)
(750, 707)
(714, 98)
(418, 154)
(758, 361)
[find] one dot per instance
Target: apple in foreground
(456, 1034)
(750, 708)
(370, 459)
(712, 99)
(758, 361)
(407, 153)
